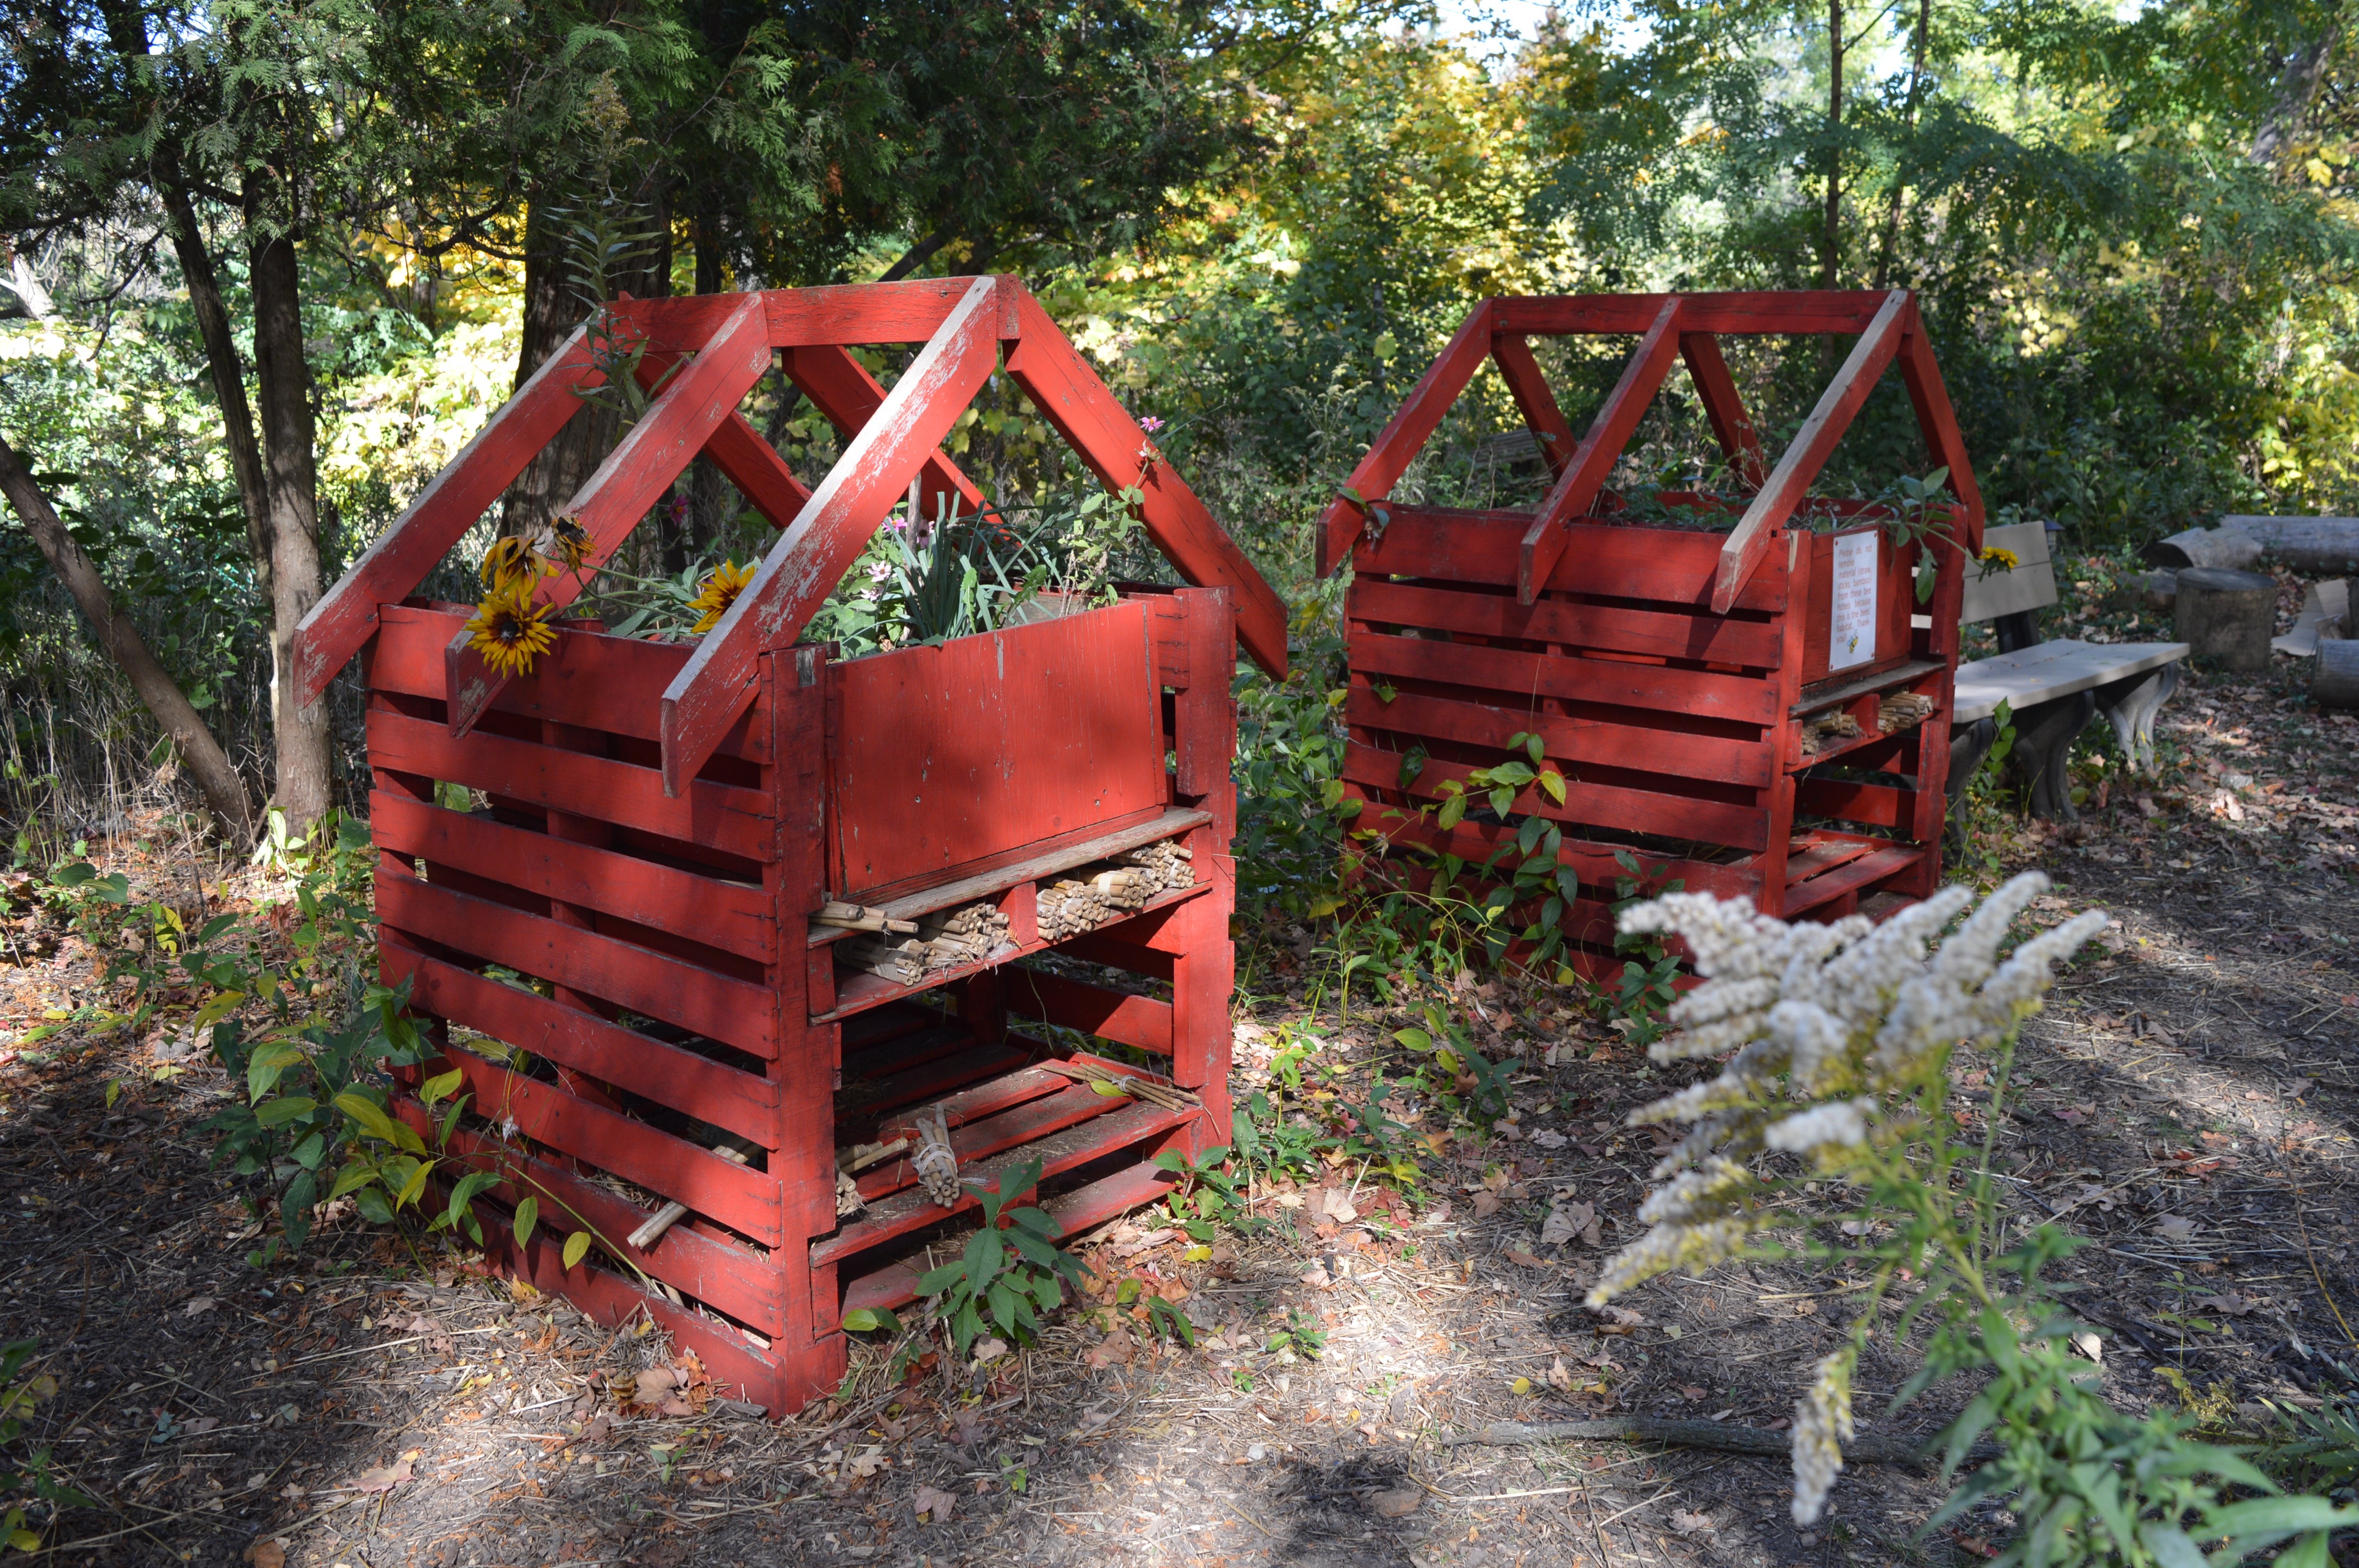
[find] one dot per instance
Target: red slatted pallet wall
(611, 938)
(1669, 672)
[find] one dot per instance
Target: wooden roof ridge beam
(803, 568)
(1545, 540)
(399, 559)
(1732, 427)
(1104, 435)
(1396, 446)
(1931, 398)
(746, 459)
(843, 392)
(1812, 444)
(693, 406)
(1512, 352)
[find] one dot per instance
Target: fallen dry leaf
(1486, 1203)
(267, 1554)
(653, 1384)
(1687, 1523)
(2175, 1227)
(1107, 1352)
(2227, 1302)
(1560, 1377)
(1398, 1503)
(1522, 1258)
(1548, 1139)
(383, 1477)
(939, 1506)
(200, 1304)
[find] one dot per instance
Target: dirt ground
(2189, 1110)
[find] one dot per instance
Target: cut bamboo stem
(671, 1214)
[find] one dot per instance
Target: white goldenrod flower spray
(1835, 1043)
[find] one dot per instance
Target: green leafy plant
(1010, 1271)
(1204, 1198)
(25, 1478)
(1301, 1334)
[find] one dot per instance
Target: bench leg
(2130, 706)
(2044, 734)
(1969, 744)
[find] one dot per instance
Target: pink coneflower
(1151, 424)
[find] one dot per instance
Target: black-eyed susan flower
(561, 544)
(1999, 557)
(508, 562)
(719, 590)
(510, 630)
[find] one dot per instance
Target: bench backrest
(1994, 591)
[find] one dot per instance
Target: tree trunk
(228, 371)
(1831, 252)
(223, 789)
(1908, 123)
(2298, 83)
(283, 382)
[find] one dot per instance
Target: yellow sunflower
(510, 630)
(1999, 557)
(718, 593)
(508, 562)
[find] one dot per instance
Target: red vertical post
(1779, 798)
(1204, 971)
(810, 1353)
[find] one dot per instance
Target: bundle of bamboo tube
(1903, 710)
(1153, 1091)
(845, 916)
(901, 959)
(967, 935)
(1816, 732)
(1108, 890)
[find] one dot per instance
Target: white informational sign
(1851, 632)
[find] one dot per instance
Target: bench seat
(2048, 670)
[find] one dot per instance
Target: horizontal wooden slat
(1666, 566)
(896, 1284)
(732, 916)
(1751, 762)
(1880, 806)
(1758, 644)
(1610, 682)
(735, 820)
(1126, 1020)
(1070, 1144)
(738, 1196)
(721, 1273)
(1869, 867)
(1602, 805)
(590, 680)
(1742, 312)
(699, 1001)
(872, 1100)
(740, 1102)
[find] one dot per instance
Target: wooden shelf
(1850, 743)
(1826, 695)
(1036, 867)
(857, 990)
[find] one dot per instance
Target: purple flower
(1151, 424)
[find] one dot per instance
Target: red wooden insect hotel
(1721, 691)
(680, 957)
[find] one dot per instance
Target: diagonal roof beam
(389, 570)
(841, 389)
(1072, 399)
(696, 403)
(1396, 447)
(1732, 427)
(1512, 352)
(745, 458)
(1812, 444)
(1545, 540)
(803, 568)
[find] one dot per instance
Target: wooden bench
(2053, 689)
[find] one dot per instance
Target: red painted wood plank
(1858, 873)
(1117, 952)
(734, 916)
(1929, 396)
(1744, 312)
(1523, 676)
(1593, 861)
(1069, 1105)
(1669, 566)
(990, 1077)
(847, 396)
(1704, 639)
(1111, 444)
(1070, 1146)
(738, 451)
(1732, 427)
(910, 311)
(727, 1275)
(1879, 806)
(1119, 1016)
(737, 1102)
(699, 1001)
(981, 746)
(1604, 805)
(743, 1199)
(1529, 388)
(1812, 444)
(1405, 435)
(587, 679)
(735, 820)
(1544, 543)
(691, 406)
(896, 1284)
(1568, 740)
(385, 573)
(803, 568)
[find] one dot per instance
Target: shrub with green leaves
(1010, 1271)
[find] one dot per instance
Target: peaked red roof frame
(892, 441)
(1686, 325)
